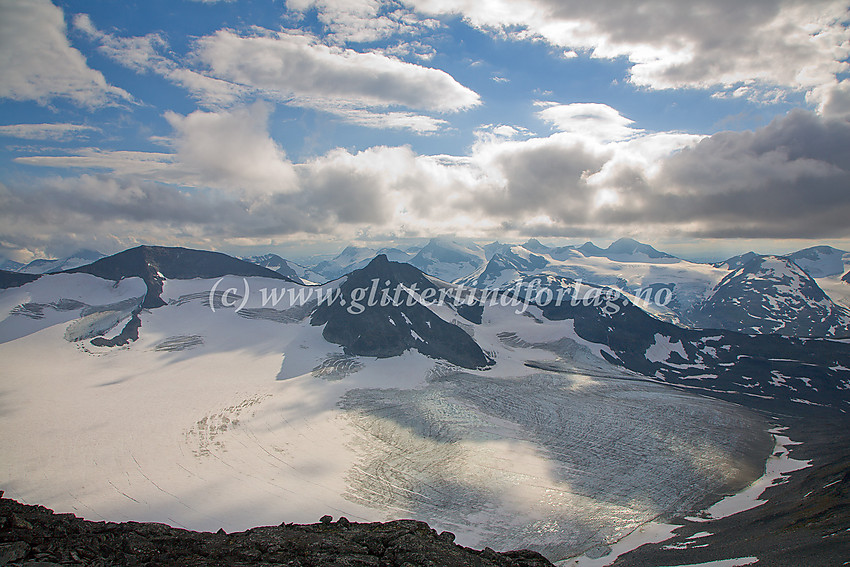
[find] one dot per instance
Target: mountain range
(542, 398)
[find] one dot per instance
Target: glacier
(231, 420)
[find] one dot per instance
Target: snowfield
(233, 419)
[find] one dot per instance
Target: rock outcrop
(34, 535)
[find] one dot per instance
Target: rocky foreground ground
(35, 536)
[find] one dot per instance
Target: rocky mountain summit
(34, 535)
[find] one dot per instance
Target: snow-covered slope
(291, 270)
(448, 259)
(627, 250)
(772, 294)
(92, 305)
(353, 258)
(79, 258)
(666, 287)
(248, 400)
(821, 261)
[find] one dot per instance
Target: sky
(706, 128)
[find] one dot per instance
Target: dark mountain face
(772, 295)
(368, 328)
(769, 371)
(846, 278)
(155, 264)
(14, 279)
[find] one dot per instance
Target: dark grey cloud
(541, 178)
(790, 179)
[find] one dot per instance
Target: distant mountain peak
(534, 245)
(820, 261)
(44, 266)
(632, 246)
(625, 250)
(738, 261)
(772, 294)
(364, 325)
(449, 259)
(154, 264)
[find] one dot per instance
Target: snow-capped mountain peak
(449, 259)
(821, 261)
(736, 262)
(772, 294)
(627, 250)
(534, 245)
(78, 258)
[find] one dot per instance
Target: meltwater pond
(553, 462)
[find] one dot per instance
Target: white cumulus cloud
(296, 66)
(672, 44)
(37, 62)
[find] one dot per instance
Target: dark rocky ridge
(154, 264)
(768, 371)
(34, 535)
(14, 279)
(389, 330)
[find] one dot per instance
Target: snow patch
(662, 348)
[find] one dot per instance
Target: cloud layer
(222, 178)
(748, 48)
(370, 89)
(228, 181)
(38, 63)
(289, 65)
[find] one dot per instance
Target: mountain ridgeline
(403, 323)
(510, 390)
(154, 264)
(772, 295)
(387, 308)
